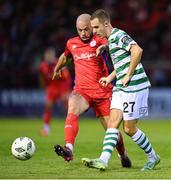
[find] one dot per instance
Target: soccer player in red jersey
(54, 89)
(86, 51)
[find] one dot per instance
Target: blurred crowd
(27, 28)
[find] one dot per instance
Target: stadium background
(27, 28)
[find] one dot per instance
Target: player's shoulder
(116, 33)
(97, 37)
(73, 40)
(99, 40)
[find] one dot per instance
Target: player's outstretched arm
(104, 81)
(62, 61)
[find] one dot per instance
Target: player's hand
(100, 49)
(104, 81)
(57, 74)
(126, 79)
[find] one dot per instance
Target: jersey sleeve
(124, 40)
(67, 51)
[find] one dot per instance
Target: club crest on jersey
(93, 43)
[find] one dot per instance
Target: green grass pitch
(45, 164)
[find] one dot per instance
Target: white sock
(109, 143)
(105, 157)
(142, 141)
(152, 156)
(70, 146)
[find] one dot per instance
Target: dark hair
(102, 15)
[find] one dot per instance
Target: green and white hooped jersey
(119, 45)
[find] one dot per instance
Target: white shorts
(133, 105)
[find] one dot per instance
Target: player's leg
(51, 96)
(120, 147)
(112, 133)
(76, 106)
(102, 109)
(122, 153)
(47, 118)
(143, 142)
(109, 142)
(137, 108)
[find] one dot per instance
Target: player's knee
(73, 108)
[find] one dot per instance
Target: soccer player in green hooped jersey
(130, 95)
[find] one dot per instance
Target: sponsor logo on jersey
(126, 40)
(92, 43)
(84, 56)
(143, 111)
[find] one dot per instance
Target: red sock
(71, 128)
(47, 116)
(120, 145)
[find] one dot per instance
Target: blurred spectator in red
(58, 89)
(28, 27)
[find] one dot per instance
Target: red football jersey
(89, 68)
(47, 69)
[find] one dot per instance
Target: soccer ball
(23, 148)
